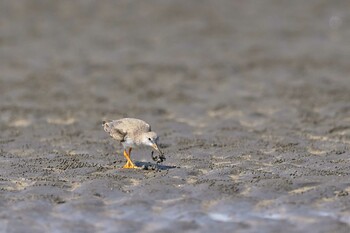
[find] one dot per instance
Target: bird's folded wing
(114, 129)
(118, 134)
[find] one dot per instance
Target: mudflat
(250, 99)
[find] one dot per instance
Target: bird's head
(151, 139)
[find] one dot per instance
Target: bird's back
(118, 129)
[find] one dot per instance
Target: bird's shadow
(153, 166)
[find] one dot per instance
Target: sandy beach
(250, 100)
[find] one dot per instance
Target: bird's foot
(130, 165)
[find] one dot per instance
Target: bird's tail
(106, 126)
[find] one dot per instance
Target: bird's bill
(155, 146)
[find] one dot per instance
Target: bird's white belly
(128, 143)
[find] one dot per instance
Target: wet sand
(250, 99)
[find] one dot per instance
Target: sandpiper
(133, 133)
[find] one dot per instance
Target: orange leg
(129, 163)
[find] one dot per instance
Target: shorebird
(131, 133)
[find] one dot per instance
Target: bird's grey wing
(118, 134)
(114, 129)
(136, 125)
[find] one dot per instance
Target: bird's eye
(150, 139)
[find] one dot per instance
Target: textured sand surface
(250, 99)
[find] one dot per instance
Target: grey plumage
(130, 127)
(131, 132)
